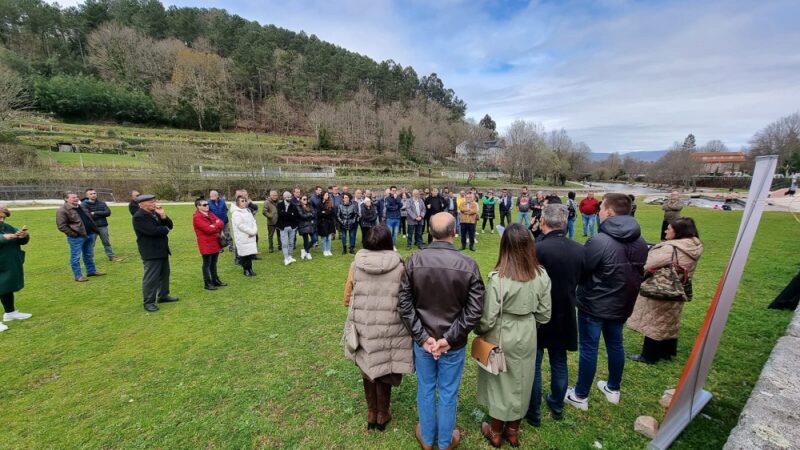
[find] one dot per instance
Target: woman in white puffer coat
(244, 229)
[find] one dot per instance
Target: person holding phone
(11, 273)
(152, 226)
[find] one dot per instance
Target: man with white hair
(415, 219)
(287, 224)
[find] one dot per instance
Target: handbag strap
(502, 294)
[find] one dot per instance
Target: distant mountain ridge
(644, 155)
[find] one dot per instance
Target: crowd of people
(546, 292)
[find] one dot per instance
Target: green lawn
(259, 364)
(140, 160)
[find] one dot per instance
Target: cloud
(620, 75)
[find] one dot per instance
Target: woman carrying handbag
(517, 299)
(659, 320)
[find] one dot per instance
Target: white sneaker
(308, 256)
(572, 399)
(476, 241)
(611, 396)
(482, 232)
(291, 259)
(302, 254)
(286, 261)
(3, 327)
(395, 248)
(16, 315)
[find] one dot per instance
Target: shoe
(353, 250)
(483, 231)
(383, 402)
(472, 248)
(249, 273)
(291, 258)
(95, 274)
(150, 307)
(572, 399)
(3, 327)
(511, 433)
(286, 261)
(210, 287)
(81, 279)
(640, 358)
(116, 259)
(418, 434)
(476, 241)
(16, 315)
(455, 440)
(303, 254)
(219, 283)
(556, 415)
(492, 231)
(611, 396)
(308, 256)
(408, 247)
(344, 251)
(463, 248)
(168, 299)
(534, 422)
(394, 248)
(493, 432)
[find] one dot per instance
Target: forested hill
(134, 60)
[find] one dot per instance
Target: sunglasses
(203, 204)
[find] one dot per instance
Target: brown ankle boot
(371, 394)
(493, 432)
(511, 433)
(384, 400)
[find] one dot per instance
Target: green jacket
(11, 259)
(506, 396)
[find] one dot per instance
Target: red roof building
(721, 162)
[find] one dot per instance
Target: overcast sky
(620, 75)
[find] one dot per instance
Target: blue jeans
(559, 376)
(82, 245)
(394, 225)
(102, 233)
(352, 234)
(589, 329)
(588, 224)
(444, 374)
(524, 218)
(326, 243)
(571, 228)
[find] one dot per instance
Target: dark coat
(505, 204)
(347, 216)
(287, 215)
(98, 210)
(11, 259)
(562, 258)
(207, 229)
(326, 220)
(69, 222)
(306, 223)
(133, 207)
(151, 234)
(435, 205)
(393, 206)
(368, 216)
(613, 266)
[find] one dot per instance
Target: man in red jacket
(589, 207)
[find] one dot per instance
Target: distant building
(721, 163)
(487, 152)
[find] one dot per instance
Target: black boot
(210, 286)
(219, 283)
(352, 250)
(344, 251)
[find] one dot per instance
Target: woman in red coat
(207, 227)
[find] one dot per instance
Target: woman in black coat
(307, 225)
(326, 223)
(368, 217)
(563, 260)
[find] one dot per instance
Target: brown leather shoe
(95, 274)
(117, 259)
(455, 440)
(511, 433)
(493, 432)
(82, 279)
(422, 443)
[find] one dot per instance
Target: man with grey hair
(270, 211)
(287, 223)
(75, 221)
(415, 219)
(441, 301)
(562, 258)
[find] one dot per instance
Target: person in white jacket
(244, 229)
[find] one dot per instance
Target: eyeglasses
(203, 204)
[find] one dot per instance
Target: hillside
(644, 155)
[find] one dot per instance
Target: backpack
(571, 213)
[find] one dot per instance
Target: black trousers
(210, 268)
(307, 241)
(403, 225)
(505, 218)
(274, 231)
(247, 262)
(491, 224)
(155, 281)
(467, 231)
(8, 302)
(789, 297)
(655, 351)
(415, 233)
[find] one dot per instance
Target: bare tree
(677, 167)
(781, 138)
(13, 95)
(714, 145)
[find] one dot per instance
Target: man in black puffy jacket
(100, 213)
(613, 266)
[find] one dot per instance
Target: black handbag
(224, 241)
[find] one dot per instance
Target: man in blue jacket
(219, 208)
(613, 265)
(100, 213)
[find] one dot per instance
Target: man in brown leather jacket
(75, 221)
(441, 301)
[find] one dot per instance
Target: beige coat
(384, 342)
(658, 319)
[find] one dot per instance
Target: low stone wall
(771, 418)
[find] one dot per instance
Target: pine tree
(689, 143)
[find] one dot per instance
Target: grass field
(259, 363)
